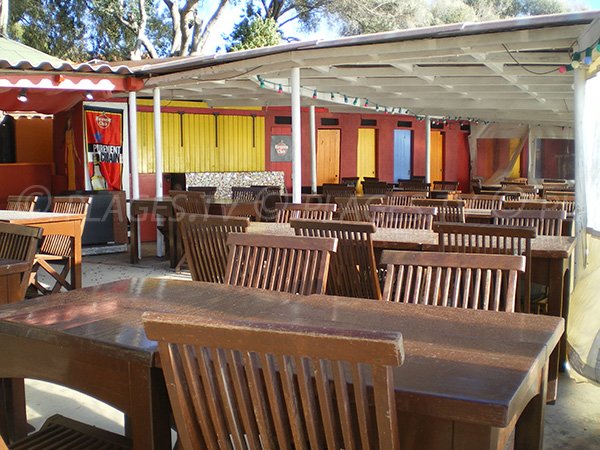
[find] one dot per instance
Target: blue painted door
(402, 154)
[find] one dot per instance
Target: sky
(233, 14)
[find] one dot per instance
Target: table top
(468, 365)
(405, 239)
(25, 217)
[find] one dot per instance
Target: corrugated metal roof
(14, 55)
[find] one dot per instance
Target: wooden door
(402, 154)
(515, 171)
(436, 164)
(365, 154)
(328, 156)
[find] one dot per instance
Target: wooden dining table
(54, 223)
(471, 379)
(551, 265)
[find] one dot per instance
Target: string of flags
(577, 61)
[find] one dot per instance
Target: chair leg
(60, 278)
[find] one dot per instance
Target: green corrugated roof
(15, 52)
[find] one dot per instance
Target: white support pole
(133, 157)
(313, 151)
(531, 162)
(579, 103)
(158, 164)
(427, 149)
(296, 137)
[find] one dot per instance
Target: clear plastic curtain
(497, 131)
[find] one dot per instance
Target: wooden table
(11, 272)
(470, 378)
(163, 207)
(54, 223)
(551, 257)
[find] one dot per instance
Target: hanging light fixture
(22, 97)
(89, 95)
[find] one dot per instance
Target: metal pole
(313, 151)
(158, 164)
(296, 137)
(133, 157)
(427, 149)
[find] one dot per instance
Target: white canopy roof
(503, 71)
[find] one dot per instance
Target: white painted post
(580, 181)
(296, 137)
(313, 151)
(133, 157)
(158, 164)
(427, 149)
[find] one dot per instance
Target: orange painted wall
(33, 139)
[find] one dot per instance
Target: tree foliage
(254, 32)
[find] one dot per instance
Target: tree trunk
(4, 17)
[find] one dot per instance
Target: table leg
(13, 416)
(529, 430)
(173, 254)
(133, 240)
(76, 277)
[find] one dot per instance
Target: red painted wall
(456, 152)
(25, 179)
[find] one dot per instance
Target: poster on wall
(281, 148)
(104, 143)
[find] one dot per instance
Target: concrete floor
(572, 423)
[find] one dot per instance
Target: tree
(254, 33)
(3, 17)
(116, 29)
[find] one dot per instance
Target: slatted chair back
(331, 191)
(556, 186)
(482, 201)
(268, 196)
(458, 280)
(513, 181)
(546, 222)
(490, 239)
(526, 191)
(413, 217)
(209, 191)
(292, 264)
(509, 196)
(191, 202)
(353, 269)
(403, 198)
(444, 186)
(243, 194)
(21, 203)
(532, 204)
(568, 201)
(60, 245)
(313, 211)
(448, 210)
(19, 243)
(350, 181)
(356, 209)
(414, 185)
(205, 243)
(250, 384)
(376, 187)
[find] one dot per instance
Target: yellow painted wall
(203, 142)
(33, 140)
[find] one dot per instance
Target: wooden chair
(448, 210)
(292, 264)
(532, 205)
(546, 222)
(353, 269)
(191, 202)
(490, 239)
(331, 191)
(254, 385)
(444, 186)
(205, 243)
(403, 198)
(21, 203)
(243, 194)
(356, 209)
(487, 282)
(59, 432)
(482, 201)
(268, 196)
(314, 211)
(58, 249)
(350, 181)
(414, 185)
(209, 191)
(567, 200)
(18, 244)
(376, 187)
(414, 217)
(525, 191)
